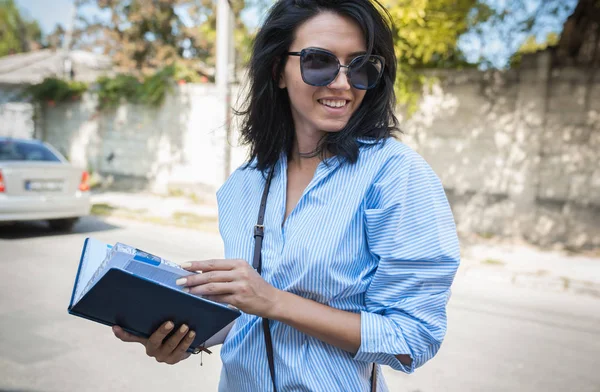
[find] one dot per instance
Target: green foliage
(142, 36)
(511, 22)
(112, 91)
(56, 90)
(155, 87)
(426, 34)
(150, 90)
(16, 34)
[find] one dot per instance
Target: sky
(49, 13)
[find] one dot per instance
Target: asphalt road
(500, 338)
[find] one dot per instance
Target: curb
(533, 280)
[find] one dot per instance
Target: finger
(126, 336)
(180, 351)
(156, 339)
(185, 356)
(217, 288)
(208, 277)
(171, 344)
(210, 265)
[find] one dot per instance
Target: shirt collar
(367, 140)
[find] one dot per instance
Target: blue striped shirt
(376, 238)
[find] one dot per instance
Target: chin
(332, 126)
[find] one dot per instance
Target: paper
(99, 258)
(95, 253)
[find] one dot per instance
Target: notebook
(122, 285)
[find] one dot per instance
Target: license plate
(43, 186)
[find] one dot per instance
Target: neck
(303, 149)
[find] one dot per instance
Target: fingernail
(180, 282)
(168, 326)
(186, 290)
(186, 265)
(183, 328)
(192, 334)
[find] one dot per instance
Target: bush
(56, 90)
(112, 91)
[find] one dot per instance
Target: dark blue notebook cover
(140, 306)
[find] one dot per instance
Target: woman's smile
(336, 107)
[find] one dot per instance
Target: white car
(38, 183)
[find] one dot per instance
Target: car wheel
(62, 224)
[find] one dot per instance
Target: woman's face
(317, 108)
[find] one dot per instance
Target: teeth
(333, 104)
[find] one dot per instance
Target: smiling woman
(323, 60)
(355, 247)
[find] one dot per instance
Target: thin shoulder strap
(259, 229)
(259, 233)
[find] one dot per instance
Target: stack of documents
(122, 285)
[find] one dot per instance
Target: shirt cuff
(380, 341)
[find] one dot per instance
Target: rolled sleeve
(375, 331)
(411, 232)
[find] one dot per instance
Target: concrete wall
(16, 115)
(518, 152)
(180, 145)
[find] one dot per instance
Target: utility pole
(222, 76)
(66, 46)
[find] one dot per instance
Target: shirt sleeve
(411, 231)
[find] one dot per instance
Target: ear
(281, 81)
(282, 84)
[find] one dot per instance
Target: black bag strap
(259, 233)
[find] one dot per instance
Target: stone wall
(518, 152)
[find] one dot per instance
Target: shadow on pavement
(17, 390)
(33, 229)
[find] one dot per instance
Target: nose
(341, 81)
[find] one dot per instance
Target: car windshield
(13, 150)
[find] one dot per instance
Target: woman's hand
(232, 282)
(170, 351)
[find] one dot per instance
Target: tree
(17, 34)
(56, 38)
(580, 39)
(476, 33)
(426, 36)
(144, 35)
(532, 45)
(510, 24)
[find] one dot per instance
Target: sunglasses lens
(365, 75)
(319, 69)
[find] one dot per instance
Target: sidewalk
(483, 260)
(154, 205)
(177, 211)
(524, 265)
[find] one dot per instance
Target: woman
(359, 248)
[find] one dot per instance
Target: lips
(333, 103)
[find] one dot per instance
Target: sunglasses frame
(302, 54)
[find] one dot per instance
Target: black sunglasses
(320, 67)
